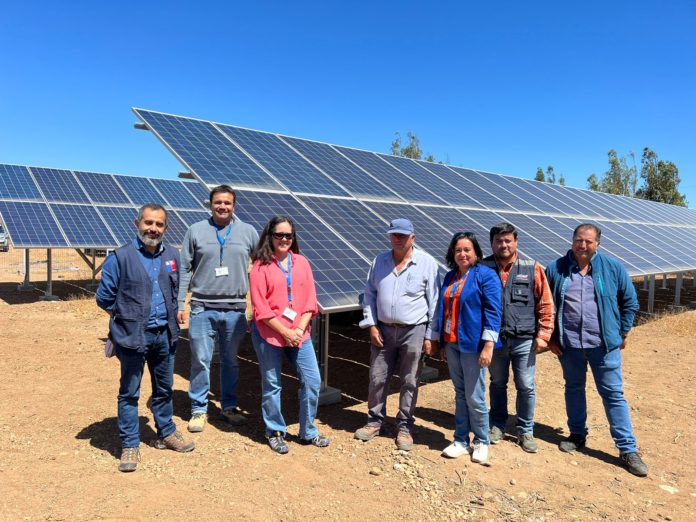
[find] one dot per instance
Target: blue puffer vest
(132, 306)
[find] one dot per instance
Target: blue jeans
(606, 370)
(205, 324)
(159, 354)
(519, 352)
(304, 360)
(469, 380)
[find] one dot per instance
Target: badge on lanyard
(288, 313)
(221, 271)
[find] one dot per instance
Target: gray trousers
(402, 350)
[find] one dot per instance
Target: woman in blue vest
(465, 329)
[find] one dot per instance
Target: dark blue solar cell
(484, 195)
(16, 183)
(490, 183)
(354, 222)
(462, 220)
(206, 151)
(140, 190)
(83, 226)
(121, 222)
(199, 191)
(31, 225)
(284, 163)
(343, 171)
(59, 185)
(652, 248)
(101, 188)
(176, 194)
(392, 178)
(176, 229)
(192, 216)
(448, 191)
(339, 271)
(539, 242)
(531, 193)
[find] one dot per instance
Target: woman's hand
(486, 355)
(292, 337)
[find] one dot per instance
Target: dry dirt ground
(59, 443)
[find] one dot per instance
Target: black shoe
(572, 443)
(634, 464)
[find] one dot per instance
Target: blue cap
(400, 226)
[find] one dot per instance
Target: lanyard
(288, 276)
(455, 286)
(222, 240)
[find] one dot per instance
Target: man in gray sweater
(214, 261)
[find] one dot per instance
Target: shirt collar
(138, 244)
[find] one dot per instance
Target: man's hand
(428, 348)
(486, 355)
(376, 337)
(181, 317)
(555, 348)
(624, 341)
(541, 346)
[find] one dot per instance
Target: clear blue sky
(500, 86)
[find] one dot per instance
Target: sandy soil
(60, 445)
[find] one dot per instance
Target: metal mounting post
(48, 296)
(26, 286)
(651, 294)
(327, 394)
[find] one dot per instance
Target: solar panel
(82, 225)
(31, 225)
(345, 172)
(199, 192)
(206, 152)
(59, 185)
(487, 182)
(120, 221)
(17, 183)
(353, 221)
(537, 241)
(339, 271)
(395, 180)
(455, 220)
(176, 194)
(140, 190)
(101, 188)
(176, 229)
(192, 216)
(284, 163)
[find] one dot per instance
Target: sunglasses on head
(283, 235)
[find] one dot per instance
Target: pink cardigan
(269, 296)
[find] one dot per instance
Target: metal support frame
(677, 306)
(48, 296)
(327, 394)
(92, 264)
(664, 281)
(651, 295)
(26, 286)
(645, 283)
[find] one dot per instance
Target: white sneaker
(480, 454)
(455, 450)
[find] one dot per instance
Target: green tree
(430, 158)
(539, 175)
(660, 180)
(620, 178)
(562, 181)
(411, 150)
(550, 175)
(593, 183)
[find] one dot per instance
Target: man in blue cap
(400, 299)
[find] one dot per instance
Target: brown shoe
(368, 432)
(129, 459)
(175, 442)
(404, 440)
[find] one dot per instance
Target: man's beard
(148, 241)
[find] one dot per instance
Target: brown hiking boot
(368, 432)
(175, 442)
(129, 459)
(404, 440)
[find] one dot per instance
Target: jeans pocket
(197, 309)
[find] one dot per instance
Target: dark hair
(583, 226)
(264, 249)
(449, 258)
(503, 228)
(220, 189)
(152, 206)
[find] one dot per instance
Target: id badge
(448, 326)
(289, 314)
(221, 271)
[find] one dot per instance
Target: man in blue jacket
(595, 306)
(139, 289)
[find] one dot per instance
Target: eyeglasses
(283, 235)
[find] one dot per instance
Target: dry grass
(682, 324)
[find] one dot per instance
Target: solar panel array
(342, 200)
(55, 208)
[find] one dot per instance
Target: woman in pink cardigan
(284, 301)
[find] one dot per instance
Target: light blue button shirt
(408, 297)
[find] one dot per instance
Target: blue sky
(501, 86)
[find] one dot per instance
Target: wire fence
(66, 265)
